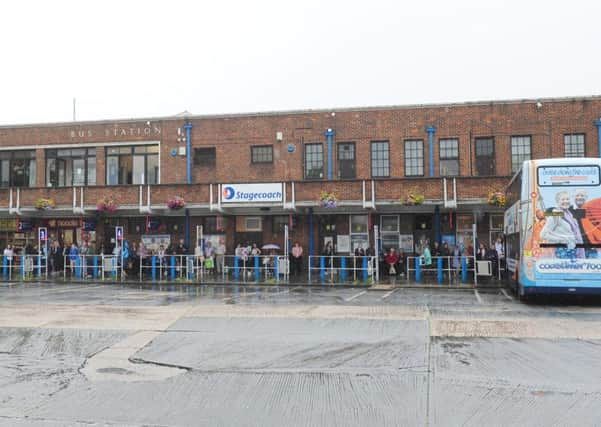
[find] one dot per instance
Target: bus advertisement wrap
(565, 220)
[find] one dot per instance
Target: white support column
(284, 195)
(293, 196)
(373, 194)
(363, 194)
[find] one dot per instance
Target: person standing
(297, 258)
(181, 250)
(209, 257)
(83, 252)
(220, 255)
(391, 260)
(56, 257)
(8, 254)
(73, 254)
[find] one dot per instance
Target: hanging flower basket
(107, 205)
(328, 199)
(413, 198)
(176, 203)
(44, 204)
(496, 198)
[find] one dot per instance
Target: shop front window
(70, 167)
(359, 233)
(389, 226)
(17, 168)
(132, 165)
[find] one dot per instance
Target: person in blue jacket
(73, 254)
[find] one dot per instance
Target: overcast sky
(123, 59)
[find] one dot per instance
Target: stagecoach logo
(228, 193)
(252, 193)
(568, 266)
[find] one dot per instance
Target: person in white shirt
(8, 253)
(220, 254)
(499, 248)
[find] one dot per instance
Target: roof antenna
(74, 116)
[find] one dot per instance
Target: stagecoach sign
(252, 193)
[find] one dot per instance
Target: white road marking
(251, 294)
(355, 296)
(509, 297)
(478, 296)
(387, 294)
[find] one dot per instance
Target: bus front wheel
(521, 294)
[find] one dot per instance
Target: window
(520, 151)
(359, 236)
(279, 223)
(414, 157)
(132, 165)
(17, 168)
(574, 145)
(70, 167)
(210, 225)
(253, 223)
(380, 165)
(449, 157)
(485, 156)
(389, 226)
(346, 160)
(205, 156)
(262, 154)
(314, 161)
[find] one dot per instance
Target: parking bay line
(387, 294)
(251, 294)
(355, 296)
(509, 297)
(478, 296)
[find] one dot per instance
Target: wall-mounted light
(539, 105)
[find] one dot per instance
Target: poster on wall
(153, 241)
(343, 243)
(449, 239)
(214, 239)
(465, 221)
(465, 239)
(406, 243)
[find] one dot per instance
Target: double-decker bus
(553, 227)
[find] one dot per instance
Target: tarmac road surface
(261, 356)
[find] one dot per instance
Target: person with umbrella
(269, 261)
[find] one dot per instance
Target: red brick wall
(234, 135)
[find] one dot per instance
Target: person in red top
(391, 259)
(297, 258)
